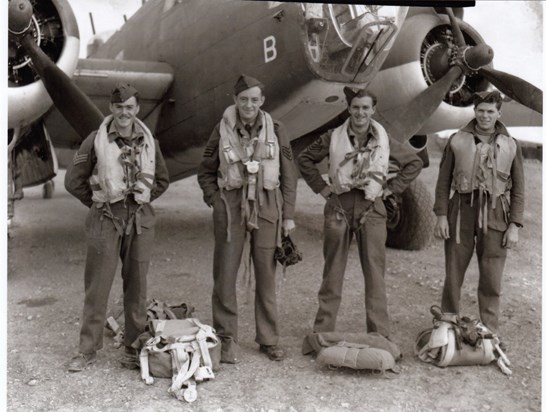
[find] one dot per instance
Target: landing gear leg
(48, 189)
(15, 191)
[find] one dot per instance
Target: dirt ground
(45, 299)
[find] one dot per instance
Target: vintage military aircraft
(184, 56)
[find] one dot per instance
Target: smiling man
(358, 153)
(483, 165)
(249, 178)
(117, 171)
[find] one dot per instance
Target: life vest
(109, 181)
(233, 156)
(369, 172)
(483, 166)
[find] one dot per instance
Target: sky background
(512, 28)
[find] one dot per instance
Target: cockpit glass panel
(348, 42)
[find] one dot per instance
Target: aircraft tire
(48, 189)
(411, 226)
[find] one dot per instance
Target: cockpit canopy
(349, 42)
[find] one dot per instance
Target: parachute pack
(363, 351)
(182, 349)
(455, 340)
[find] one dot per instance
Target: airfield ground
(45, 298)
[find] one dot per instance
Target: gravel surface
(45, 299)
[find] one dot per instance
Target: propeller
(73, 104)
(463, 59)
(514, 87)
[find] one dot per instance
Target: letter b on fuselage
(270, 49)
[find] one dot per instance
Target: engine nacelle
(411, 68)
(55, 30)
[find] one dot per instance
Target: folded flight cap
(122, 92)
(246, 82)
(351, 93)
(488, 95)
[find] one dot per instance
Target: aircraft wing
(95, 78)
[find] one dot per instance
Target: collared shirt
(248, 133)
(354, 137)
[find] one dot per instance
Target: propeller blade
(515, 87)
(459, 38)
(409, 122)
(71, 102)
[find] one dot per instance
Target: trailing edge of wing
(97, 77)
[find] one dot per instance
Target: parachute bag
(361, 351)
(161, 310)
(155, 309)
(459, 341)
(182, 349)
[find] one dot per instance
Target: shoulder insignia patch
(287, 152)
(80, 158)
(209, 151)
(315, 147)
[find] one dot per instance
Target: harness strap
(247, 273)
(485, 212)
(472, 180)
(117, 221)
(228, 215)
(458, 222)
(364, 215)
(278, 201)
(480, 206)
(136, 219)
(494, 176)
(188, 369)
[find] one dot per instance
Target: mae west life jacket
(108, 181)
(232, 172)
(365, 168)
(483, 166)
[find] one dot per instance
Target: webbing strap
(188, 369)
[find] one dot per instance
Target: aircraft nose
(20, 15)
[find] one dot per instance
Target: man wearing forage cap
(117, 171)
(483, 164)
(358, 153)
(249, 178)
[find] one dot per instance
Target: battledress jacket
(77, 177)
(496, 216)
(208, 172)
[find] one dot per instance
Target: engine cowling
(415, 63)
(54, 29)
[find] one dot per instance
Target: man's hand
(510, 238)
(326, 192)
(386, 193)
(288, 226)
(441, 230)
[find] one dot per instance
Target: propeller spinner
(20, 16)
(75, 106)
